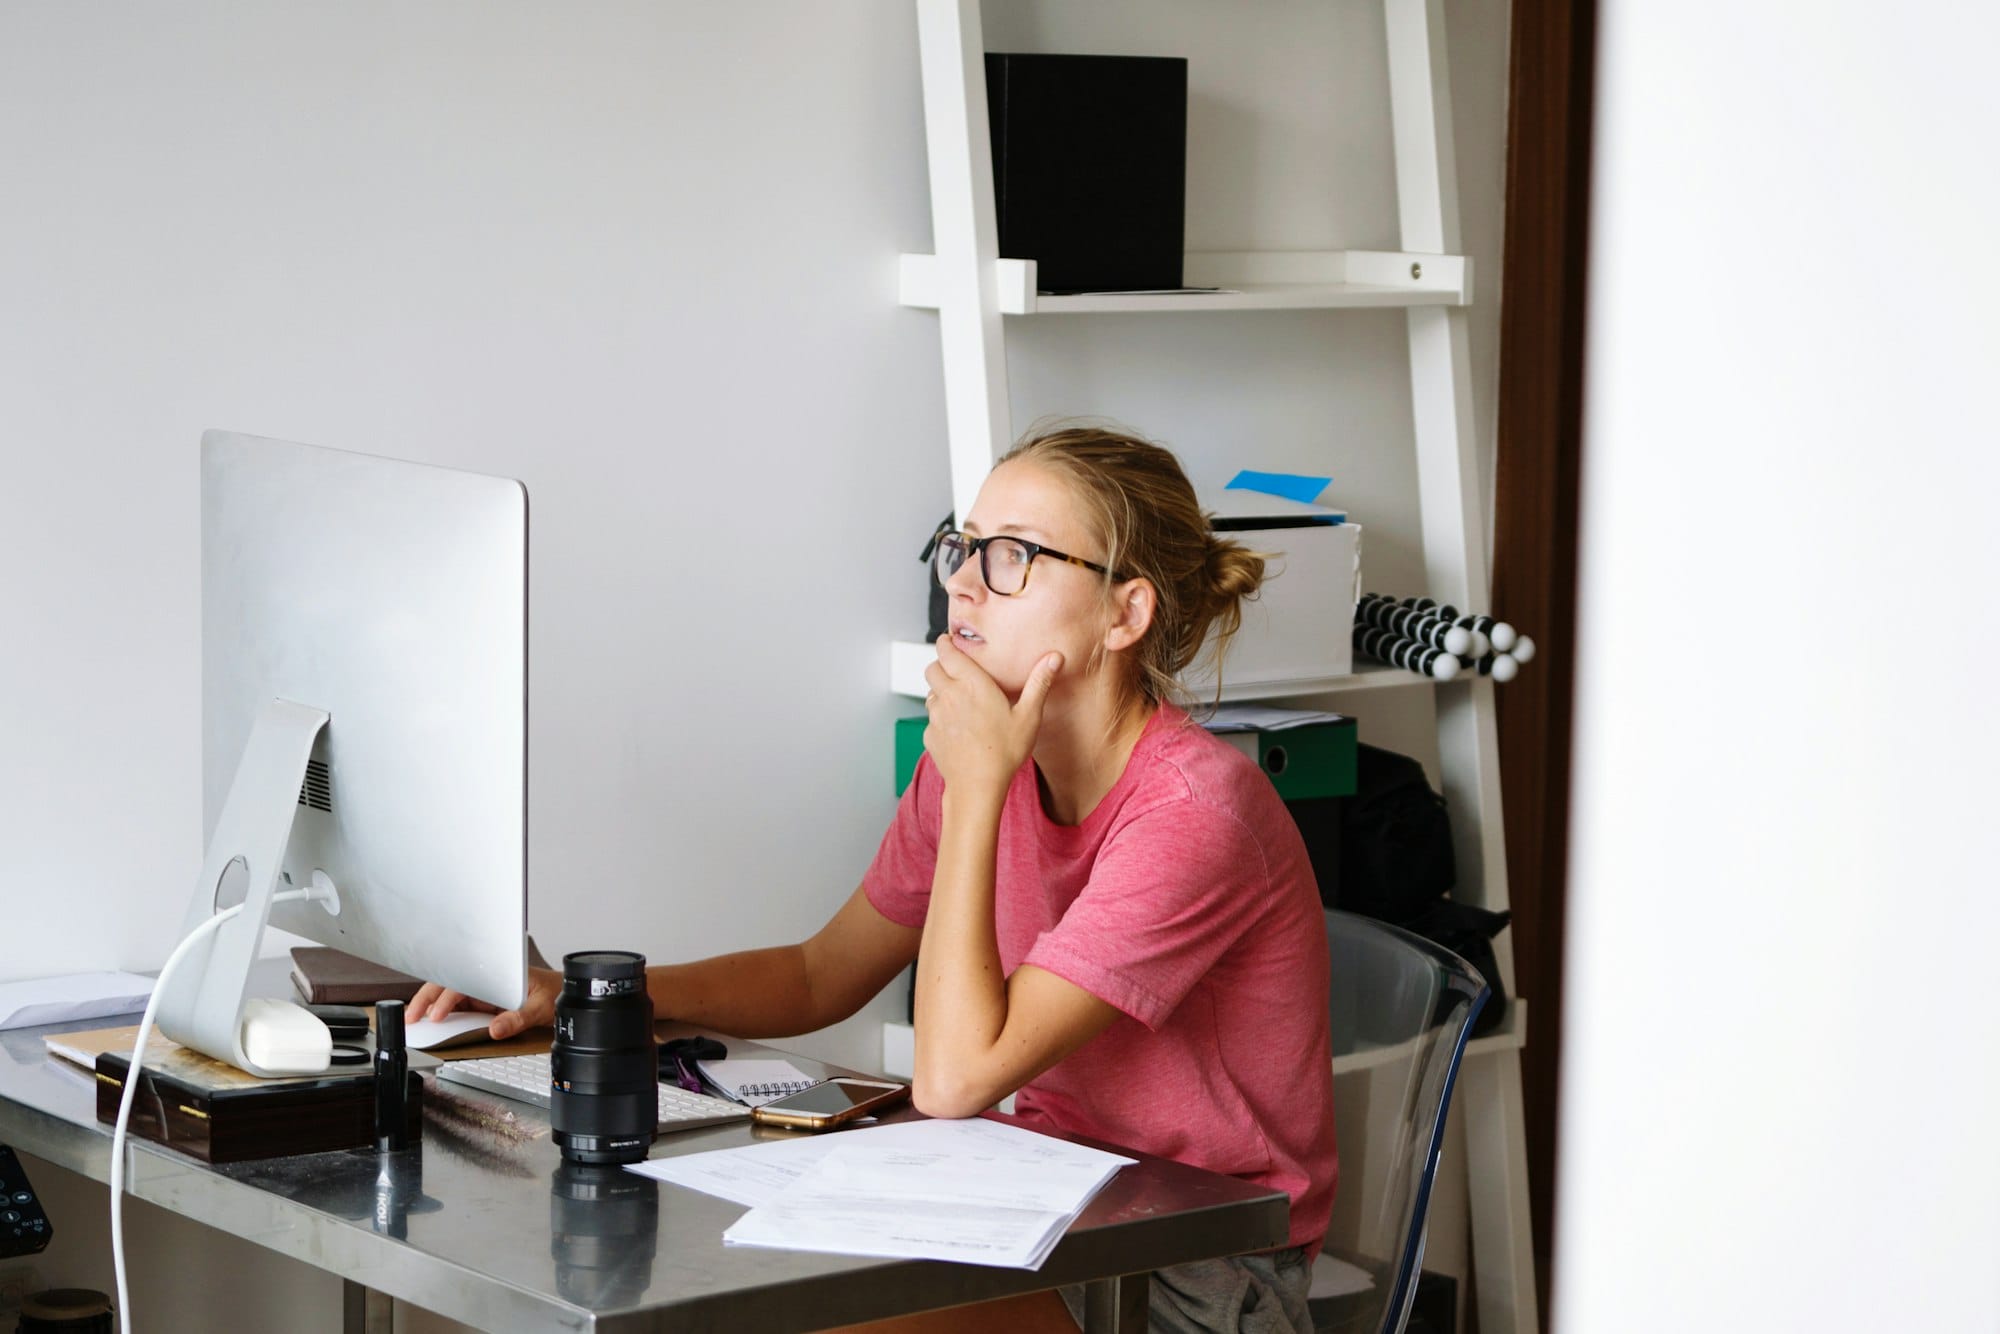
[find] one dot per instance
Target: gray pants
(1244, 1294)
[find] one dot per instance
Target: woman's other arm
(752, 994)
(789, 989)
(981, 1035)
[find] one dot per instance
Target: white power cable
(132, 1073)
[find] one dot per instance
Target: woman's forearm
(961, 1003)
(775, 993)
(764, 993)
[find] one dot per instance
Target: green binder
(1311, 760)
(1314, 760)
(909, 748)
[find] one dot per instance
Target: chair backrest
(1402, 1008)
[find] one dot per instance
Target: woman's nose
(966, 580)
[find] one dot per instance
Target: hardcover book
(324, 976)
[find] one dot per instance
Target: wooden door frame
(1539, 422)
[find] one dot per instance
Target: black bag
(1395, 841)
(1468, 932)
(1396, 864)
(940, 601)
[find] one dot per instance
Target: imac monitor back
(392, 596)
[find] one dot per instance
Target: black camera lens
(604, 1068)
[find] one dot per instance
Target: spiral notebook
(755, 1082)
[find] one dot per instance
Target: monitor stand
(202, 1004)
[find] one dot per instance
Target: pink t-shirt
(1186, 900)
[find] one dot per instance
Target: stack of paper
(975, 1191)
(1257, 717)
(55, 1000)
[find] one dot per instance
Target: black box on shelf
(1090, 167)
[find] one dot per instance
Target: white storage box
(1300, 627)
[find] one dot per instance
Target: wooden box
(210, 1111)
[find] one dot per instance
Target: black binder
(1090, 167)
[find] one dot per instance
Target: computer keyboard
(526, 1079)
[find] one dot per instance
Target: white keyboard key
(526, 1079)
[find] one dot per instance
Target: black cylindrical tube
(392, 1078)
(604, 1068)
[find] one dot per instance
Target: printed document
(977, 1191)
(757, 1175)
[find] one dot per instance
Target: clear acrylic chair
(1402, 1009)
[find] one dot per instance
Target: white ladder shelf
(974, 291)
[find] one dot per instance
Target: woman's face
(1063, 606)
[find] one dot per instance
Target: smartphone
(832, 1103)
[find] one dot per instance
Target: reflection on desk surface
(478, 1224)
(604, 1226)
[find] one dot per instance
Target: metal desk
(499, 1233)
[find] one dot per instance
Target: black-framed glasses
(1004, 562)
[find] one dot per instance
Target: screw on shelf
(1416, 270)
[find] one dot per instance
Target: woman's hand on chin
(976, 737)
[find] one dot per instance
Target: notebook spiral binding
(779, 1089)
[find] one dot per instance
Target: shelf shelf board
(1365, 676)
(1249, 280)
(909, 658)
(1512, 1035)
(1262, 296)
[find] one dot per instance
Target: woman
(1113, 915)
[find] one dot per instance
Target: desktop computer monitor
(364, 723)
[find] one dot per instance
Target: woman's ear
(1135, 601)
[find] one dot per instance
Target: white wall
(642, 256)
(1779, 1066)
